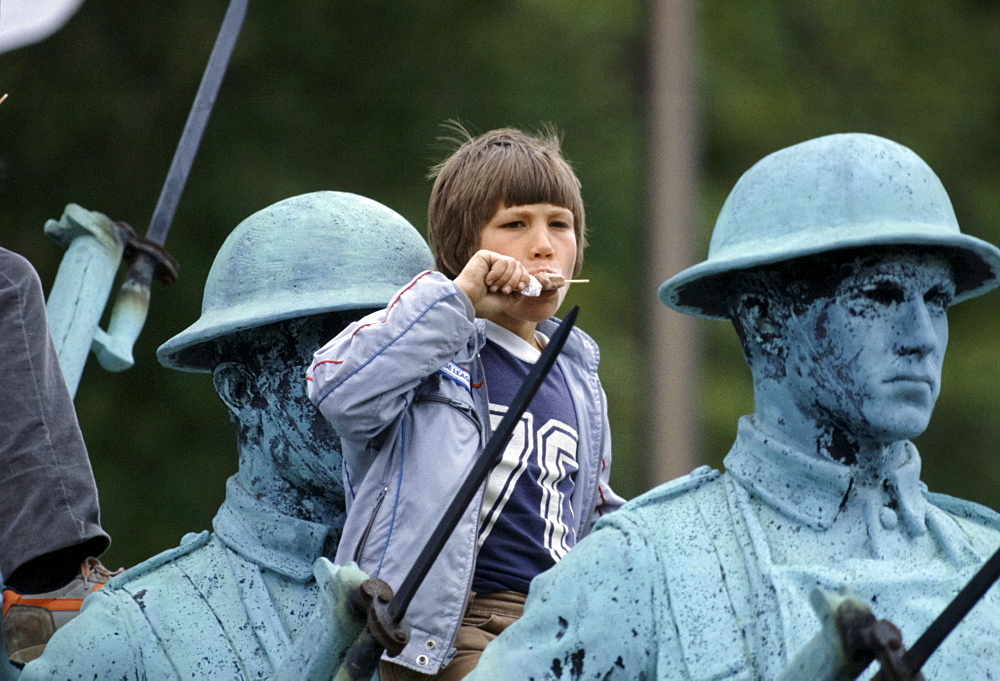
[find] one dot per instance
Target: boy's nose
(541, 245)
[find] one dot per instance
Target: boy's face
(541, 237)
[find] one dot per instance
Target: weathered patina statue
(836, 260)
(256, 598)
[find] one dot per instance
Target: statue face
(867, 359)
(304, 445)
(281, 430)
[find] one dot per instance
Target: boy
(414, 390)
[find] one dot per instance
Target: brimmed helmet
(832, 193)
(315, 253)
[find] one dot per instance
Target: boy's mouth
(543, 282)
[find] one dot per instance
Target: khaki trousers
(485, 617)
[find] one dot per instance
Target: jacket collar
(579, 347)
(286, 545)
(813, 491)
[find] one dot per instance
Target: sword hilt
(147, 260)
(370, 602)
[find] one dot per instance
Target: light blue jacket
(404, 387)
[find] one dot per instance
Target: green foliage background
(327, 94)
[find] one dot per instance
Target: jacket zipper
(371, 522)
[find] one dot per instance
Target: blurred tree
(330, 94)
(319, 95)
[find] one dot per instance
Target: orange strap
(11, 597)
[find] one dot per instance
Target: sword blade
(187, 148)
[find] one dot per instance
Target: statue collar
(813, 491)
(272, 540)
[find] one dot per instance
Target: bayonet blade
(204, 101)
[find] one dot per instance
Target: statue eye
(882, 293)
(938, 297)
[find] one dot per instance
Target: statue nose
(918, 334)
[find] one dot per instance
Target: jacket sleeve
(365, 377)
(605, 498)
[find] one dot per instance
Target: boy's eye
(559, 224)
(512, 225)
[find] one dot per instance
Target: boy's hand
(493, 282)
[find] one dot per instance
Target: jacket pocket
(465, 409)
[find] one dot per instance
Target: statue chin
(897, 423)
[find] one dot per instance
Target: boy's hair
(502, 167)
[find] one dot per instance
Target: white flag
(23, 22)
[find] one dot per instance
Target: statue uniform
(223, 605)
(709, 576)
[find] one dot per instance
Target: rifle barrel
(204, 101)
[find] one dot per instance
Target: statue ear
(762, 326)
(233, 385)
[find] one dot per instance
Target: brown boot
(29, 620)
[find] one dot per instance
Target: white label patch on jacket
(457, 374)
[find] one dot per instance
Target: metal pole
(672, 190)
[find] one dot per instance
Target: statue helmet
(320, 252)
(843, 191)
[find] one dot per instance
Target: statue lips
(912, 378)
(913, 387)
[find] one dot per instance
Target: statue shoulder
(964, 508)
(980, 523)
(114, 635)
(687, 543)
(669, 491)
(182, 609)
(670, 501)
(137, 574)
